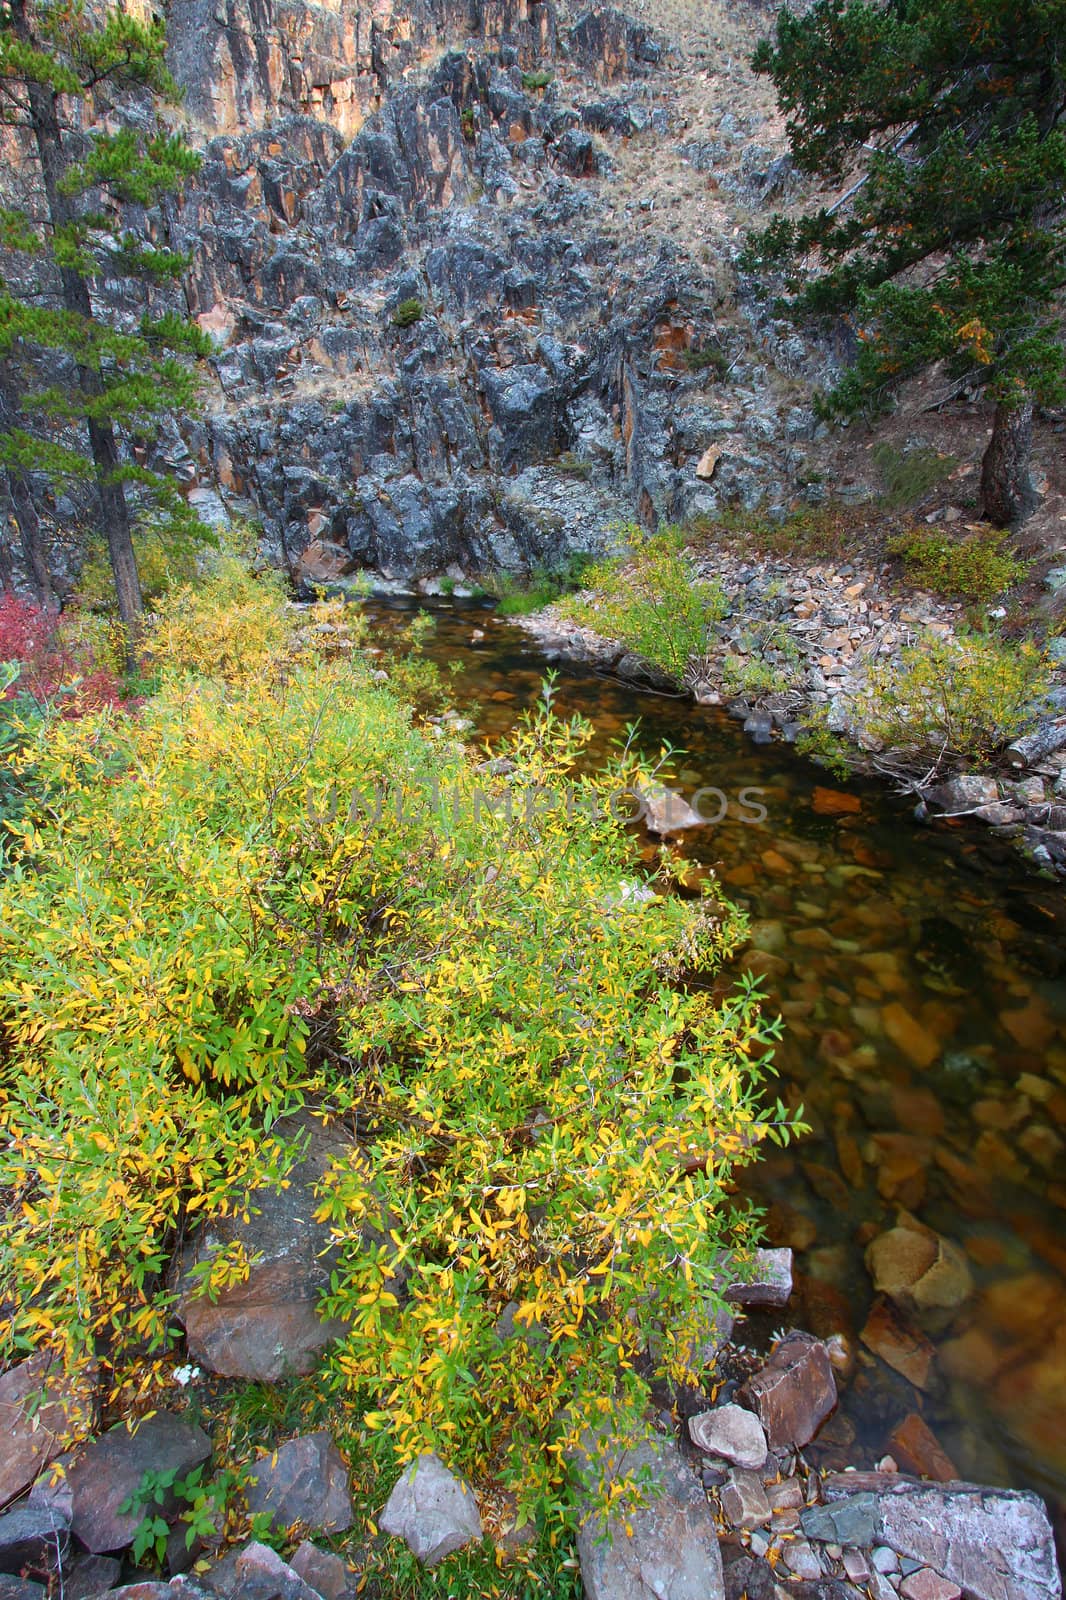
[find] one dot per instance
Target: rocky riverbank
(739, 1506)
(820, 629)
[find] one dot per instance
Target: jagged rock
(32, 1536)
(997, 1544)
(268, 1327)
(304, 1483)
(32, 1434)
(259, 1573)
(900, 1343)
(794, 1392)
(665, 1549)
(730, 1432)
(965, 793)
(325, 1572)
(85, 1576)
(432, 1510)
(109, 1471)
(321, 562)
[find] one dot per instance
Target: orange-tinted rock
(1033, 1027)
(834, 802)
(909, 1035)
(917, 1449)
(890, 1334)
(322, 562)
(974, 1357)
(919, 1270)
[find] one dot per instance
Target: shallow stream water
(921, 973)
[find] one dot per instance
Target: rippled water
(922, 976)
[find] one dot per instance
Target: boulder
(743, 1500)
(794, 1392)
(432, 1510)
(109, 1471)
(89, 1575)
(996, 1544)
(305, 1482)
(730, 1433)
(663, 1549)
(32, 1434)
(268, 1327)
(666, 811)
(321, 563)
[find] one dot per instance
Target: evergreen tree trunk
(44, 119)
(1006, 489)
(25, 512)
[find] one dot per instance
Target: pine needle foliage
(945, 119)
(94, 349)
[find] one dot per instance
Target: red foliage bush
(54, 662)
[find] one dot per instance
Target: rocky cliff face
(446, 336)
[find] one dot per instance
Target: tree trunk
(26, 519)
(1006, 489)
(114, 513)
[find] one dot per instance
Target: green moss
(533, 82)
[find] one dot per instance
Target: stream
(921, 973)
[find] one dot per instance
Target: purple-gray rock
(32, 1536)
(765, 1281)
(794, 1392)
(743, 1500)
(731, 1433)
(259, 1573)
(996, 1544)
(111, 1470)
(85, 1576)
(663, 1549)
(12, 1588)
(325, 1572)
(305, 1482)
(432, 1510)
(32, 1434)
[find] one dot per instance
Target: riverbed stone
(893, 1336)
(109, 1471)
(731, 1433)
(432, 1510)
(794, 1392)
(663, 1549)
(305, 1482)
(919, 1270)
(917, 1449)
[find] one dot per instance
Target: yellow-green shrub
(975, 566)
(652, 600)
(203, 932)
(956, 699)
(229, 624)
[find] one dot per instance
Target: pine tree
(949, 245)
(90, 372)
